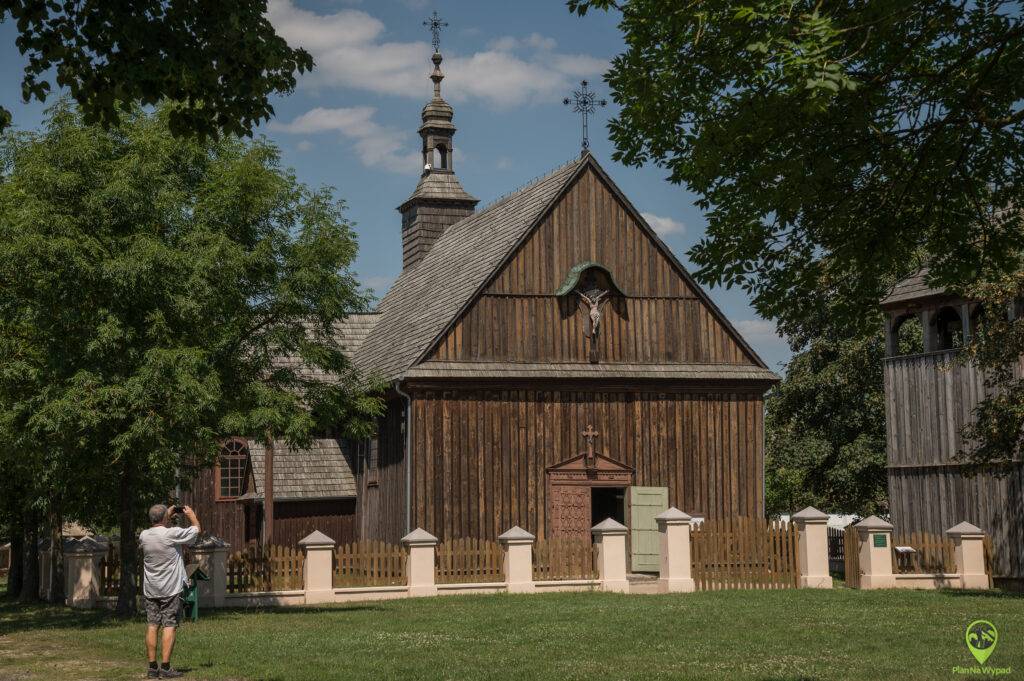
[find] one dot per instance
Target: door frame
(574, 473)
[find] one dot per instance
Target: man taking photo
(163, 580)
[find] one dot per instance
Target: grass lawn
(769, 636)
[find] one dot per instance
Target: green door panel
(644, 504)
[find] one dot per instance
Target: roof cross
(584, 102)
(435, 25)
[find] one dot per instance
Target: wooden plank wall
(382, 507)
(929, 398)
(337, 518)
(480, 453)
(661, 318)
(224, 519)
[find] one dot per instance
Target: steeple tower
(439, 200)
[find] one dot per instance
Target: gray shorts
(163, 612)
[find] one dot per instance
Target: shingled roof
(427, 296)
(324, 471)
(913, 288)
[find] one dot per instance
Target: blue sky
(351, 123)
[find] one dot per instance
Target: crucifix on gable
(592, 286)
(589, 434)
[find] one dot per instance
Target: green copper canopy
(577, 271)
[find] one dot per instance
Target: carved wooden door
(570, 511)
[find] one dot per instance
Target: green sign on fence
(879, 541)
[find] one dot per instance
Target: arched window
(949, 329)
(231, 466)
(909, 336)
(441, 157)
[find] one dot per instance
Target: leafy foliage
(151, 288)
(219, 60)
(825, 430)
(996, 437)
(835, 146)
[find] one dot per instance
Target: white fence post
(318, 571)
(875, 553)
(518, 560)
(969, 549)
(610, 537)
(675, 567)
(211, 555)
(812, 533)
(421, 546)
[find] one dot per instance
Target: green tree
(825, 430)
(150, 287)
(834, 146)
(219, 60)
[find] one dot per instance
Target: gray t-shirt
(163, 569)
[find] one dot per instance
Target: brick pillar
(318, 572)
(969, 543)
(610, 537)
(211, 555)
(82, 572)
(812, 537)
(675, 569)
(518, 560)
(875, 553)
(419, 566)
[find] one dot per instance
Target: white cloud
(377, 146)
(663, 225)
(304, 145)
(503, 163)
(759, 332)
(349, 51)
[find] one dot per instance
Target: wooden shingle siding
(481, 453)
(661, 319)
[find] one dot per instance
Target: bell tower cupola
(439, 200)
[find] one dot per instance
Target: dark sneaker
(171, 673)
(153, 674)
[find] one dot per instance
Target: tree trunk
(129, 546)
(14, 577)
(30, 574)
(56, 556)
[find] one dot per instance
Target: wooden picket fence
(369, 563)
(744, 553)
(468, 560)
(933, 554)
(564, 558)
(851, 557)
(273, 568)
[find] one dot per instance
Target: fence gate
(744, 553)
(851, 551)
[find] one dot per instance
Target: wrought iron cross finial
(435, 25)
(584, 102)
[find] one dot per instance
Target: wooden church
(551, 364)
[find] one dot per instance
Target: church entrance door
(576, 489)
